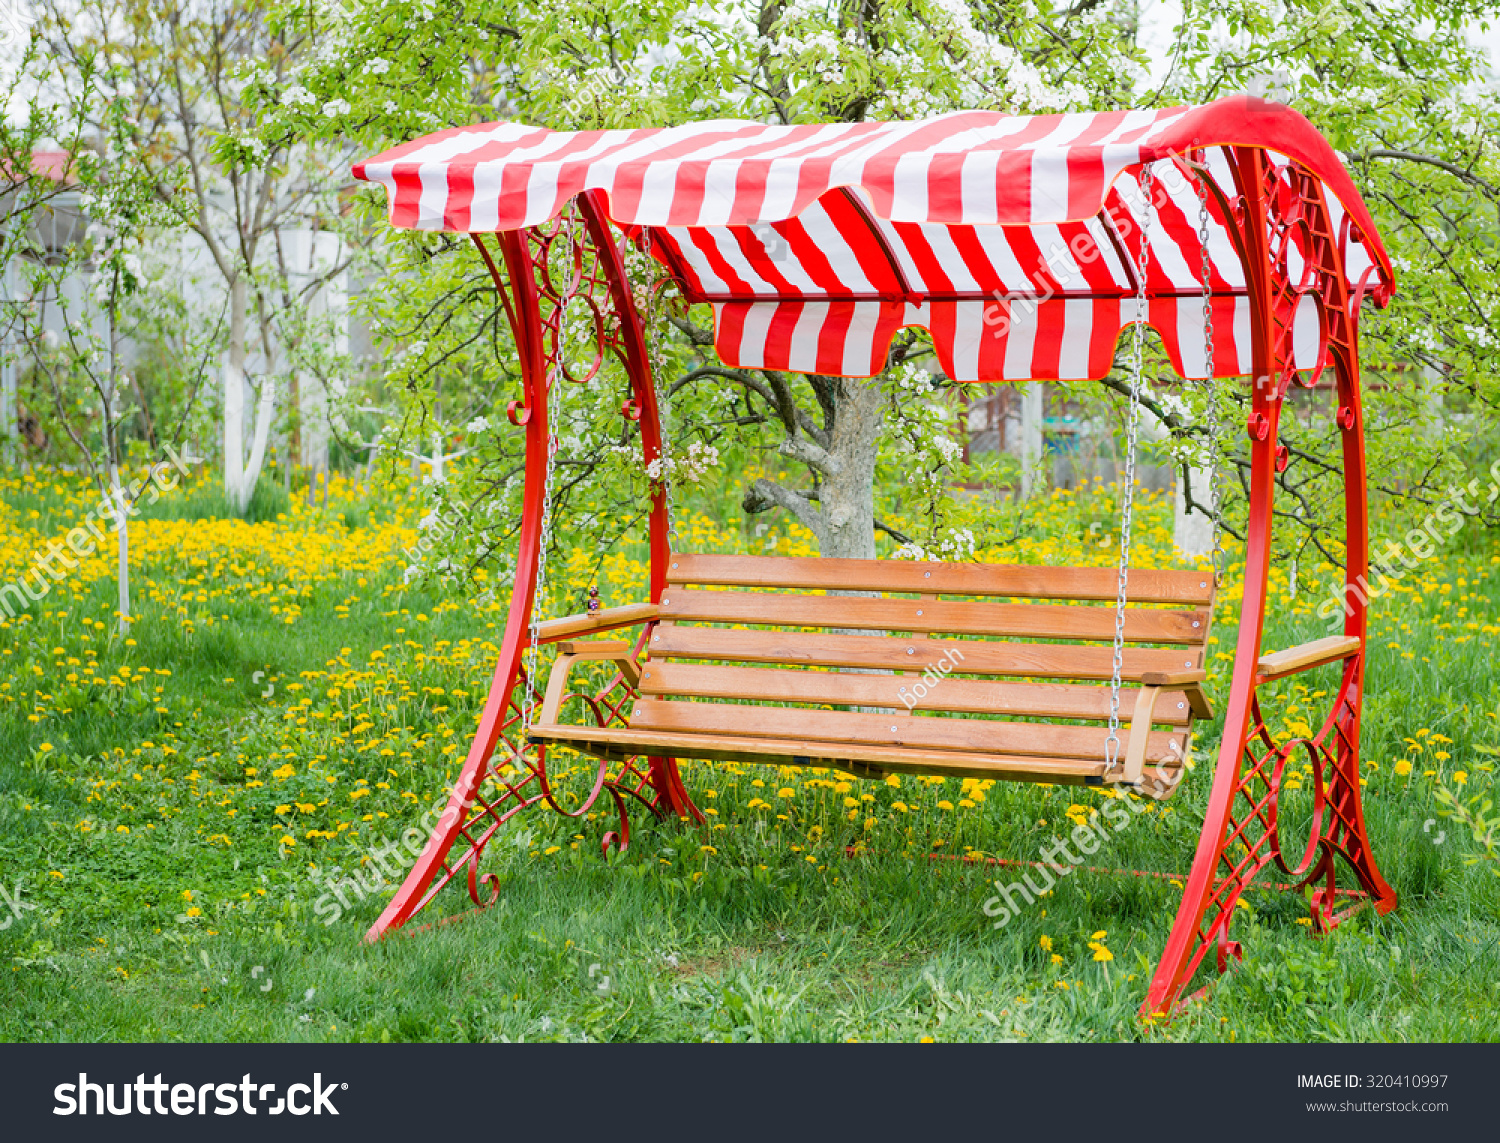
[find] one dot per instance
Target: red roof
(53, 165)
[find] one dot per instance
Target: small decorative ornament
(593, 601)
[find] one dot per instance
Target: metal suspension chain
(663, 409)
(528, 694)
(1216, 552)
(1132, 437)
(663, 404)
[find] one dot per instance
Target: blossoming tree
(186, 75)
(1405, 101)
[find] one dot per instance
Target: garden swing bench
(1024, 246)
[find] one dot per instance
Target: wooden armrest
(605, 619)
(1189, 682)
(595, 648)
(1173, 678)
(607, 650)
(1318, 653)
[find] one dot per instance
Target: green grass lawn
(168, 805)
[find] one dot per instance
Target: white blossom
(298, 96)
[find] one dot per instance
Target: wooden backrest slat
(1026, 620)
(878, 652)
(1146, 585)
(1087, 701)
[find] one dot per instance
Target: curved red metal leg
(487, 795)
(1279, 208)
(500, 709)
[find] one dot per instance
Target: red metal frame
(581, 245)
(1276, 216)
(1278, 210)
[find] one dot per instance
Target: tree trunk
(112, 470)
(1193, 530)
(841, 514)
(241, 474)
(264, 413)
(846, 522)
(1033, 441)
(848, 492)
(234, 400)
(123, 532)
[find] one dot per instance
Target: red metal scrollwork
(1294, 259)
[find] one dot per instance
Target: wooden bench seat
(744, 663)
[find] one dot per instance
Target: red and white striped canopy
(1014, 240)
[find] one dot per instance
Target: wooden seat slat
(1146, 585)
(958, 695)
(1027, 620)
(881, 652)
(975, 735)
(614, 744)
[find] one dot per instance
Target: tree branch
(811, 454)
(763, 495)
